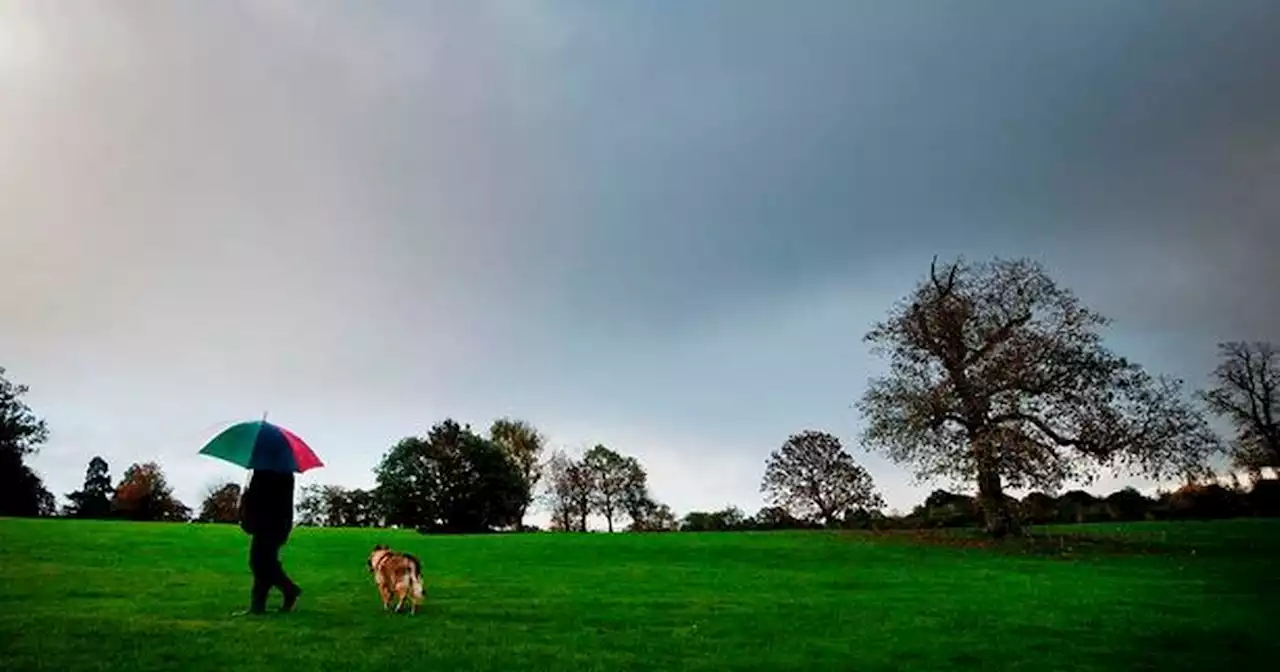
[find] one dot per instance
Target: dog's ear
(380, 547)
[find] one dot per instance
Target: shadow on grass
(1040, 543)
(1238, 540)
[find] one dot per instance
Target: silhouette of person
(266, 515)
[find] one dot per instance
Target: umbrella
(262, 445)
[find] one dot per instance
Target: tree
(1247, 393)
(1078, 506)
(453, 481)
(634, 495)
(1039, 508)
(998, 375)
(22, 492)
(947, 509)
(658, 518)
(406, 481)
(612, 475)
(144, 494)
(336, 506)
(569, 493)
(776, 518)
(94, 499)
(523, 445)
(310, 505)
(221, 504)
(697, 521)
(1127, 504)
(813, 477)
(727, 519)
(360, 509)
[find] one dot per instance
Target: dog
(398, 574)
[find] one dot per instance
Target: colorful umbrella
(262, 445)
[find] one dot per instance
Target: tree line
(997, 380)
(141, 494)
(944, 509)
(457, 480)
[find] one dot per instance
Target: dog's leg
(398, 586)
(386, 597)
(417, 593)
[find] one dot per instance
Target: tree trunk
(608, 519)
(995, 510)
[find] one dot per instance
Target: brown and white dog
(398, 574)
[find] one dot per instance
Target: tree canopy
(523, 445)
(22, 492)
(618, 483)
(452, 480)
(998, 375)
(336, 506)
(144, 494)
(221, 504)
(93, 500)
(813, 477)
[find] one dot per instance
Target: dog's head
(376, 555)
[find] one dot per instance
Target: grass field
(117, 596)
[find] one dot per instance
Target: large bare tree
(1247, 393)
(998, 376)
(813, 477)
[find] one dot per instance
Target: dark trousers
(264, 560)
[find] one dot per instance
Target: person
(266, 515)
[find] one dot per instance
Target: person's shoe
(291, 600)
(251, 611)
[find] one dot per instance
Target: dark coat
(266, 508)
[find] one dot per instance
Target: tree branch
(951, 278)
(1002, 334)
(1017, 416)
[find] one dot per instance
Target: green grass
(119, 596)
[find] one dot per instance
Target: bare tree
(998, 375)
(1247, 393)
(569, 492)
(813, 477)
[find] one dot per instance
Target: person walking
(266, 515)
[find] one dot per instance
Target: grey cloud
(678, 217)
(738, 149)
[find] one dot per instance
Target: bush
(1127, 505)
(1205, 502)
(1264, 498)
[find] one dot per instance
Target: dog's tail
(415, 578)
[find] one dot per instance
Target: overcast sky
(662, 226)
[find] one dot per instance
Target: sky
(660, 226)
